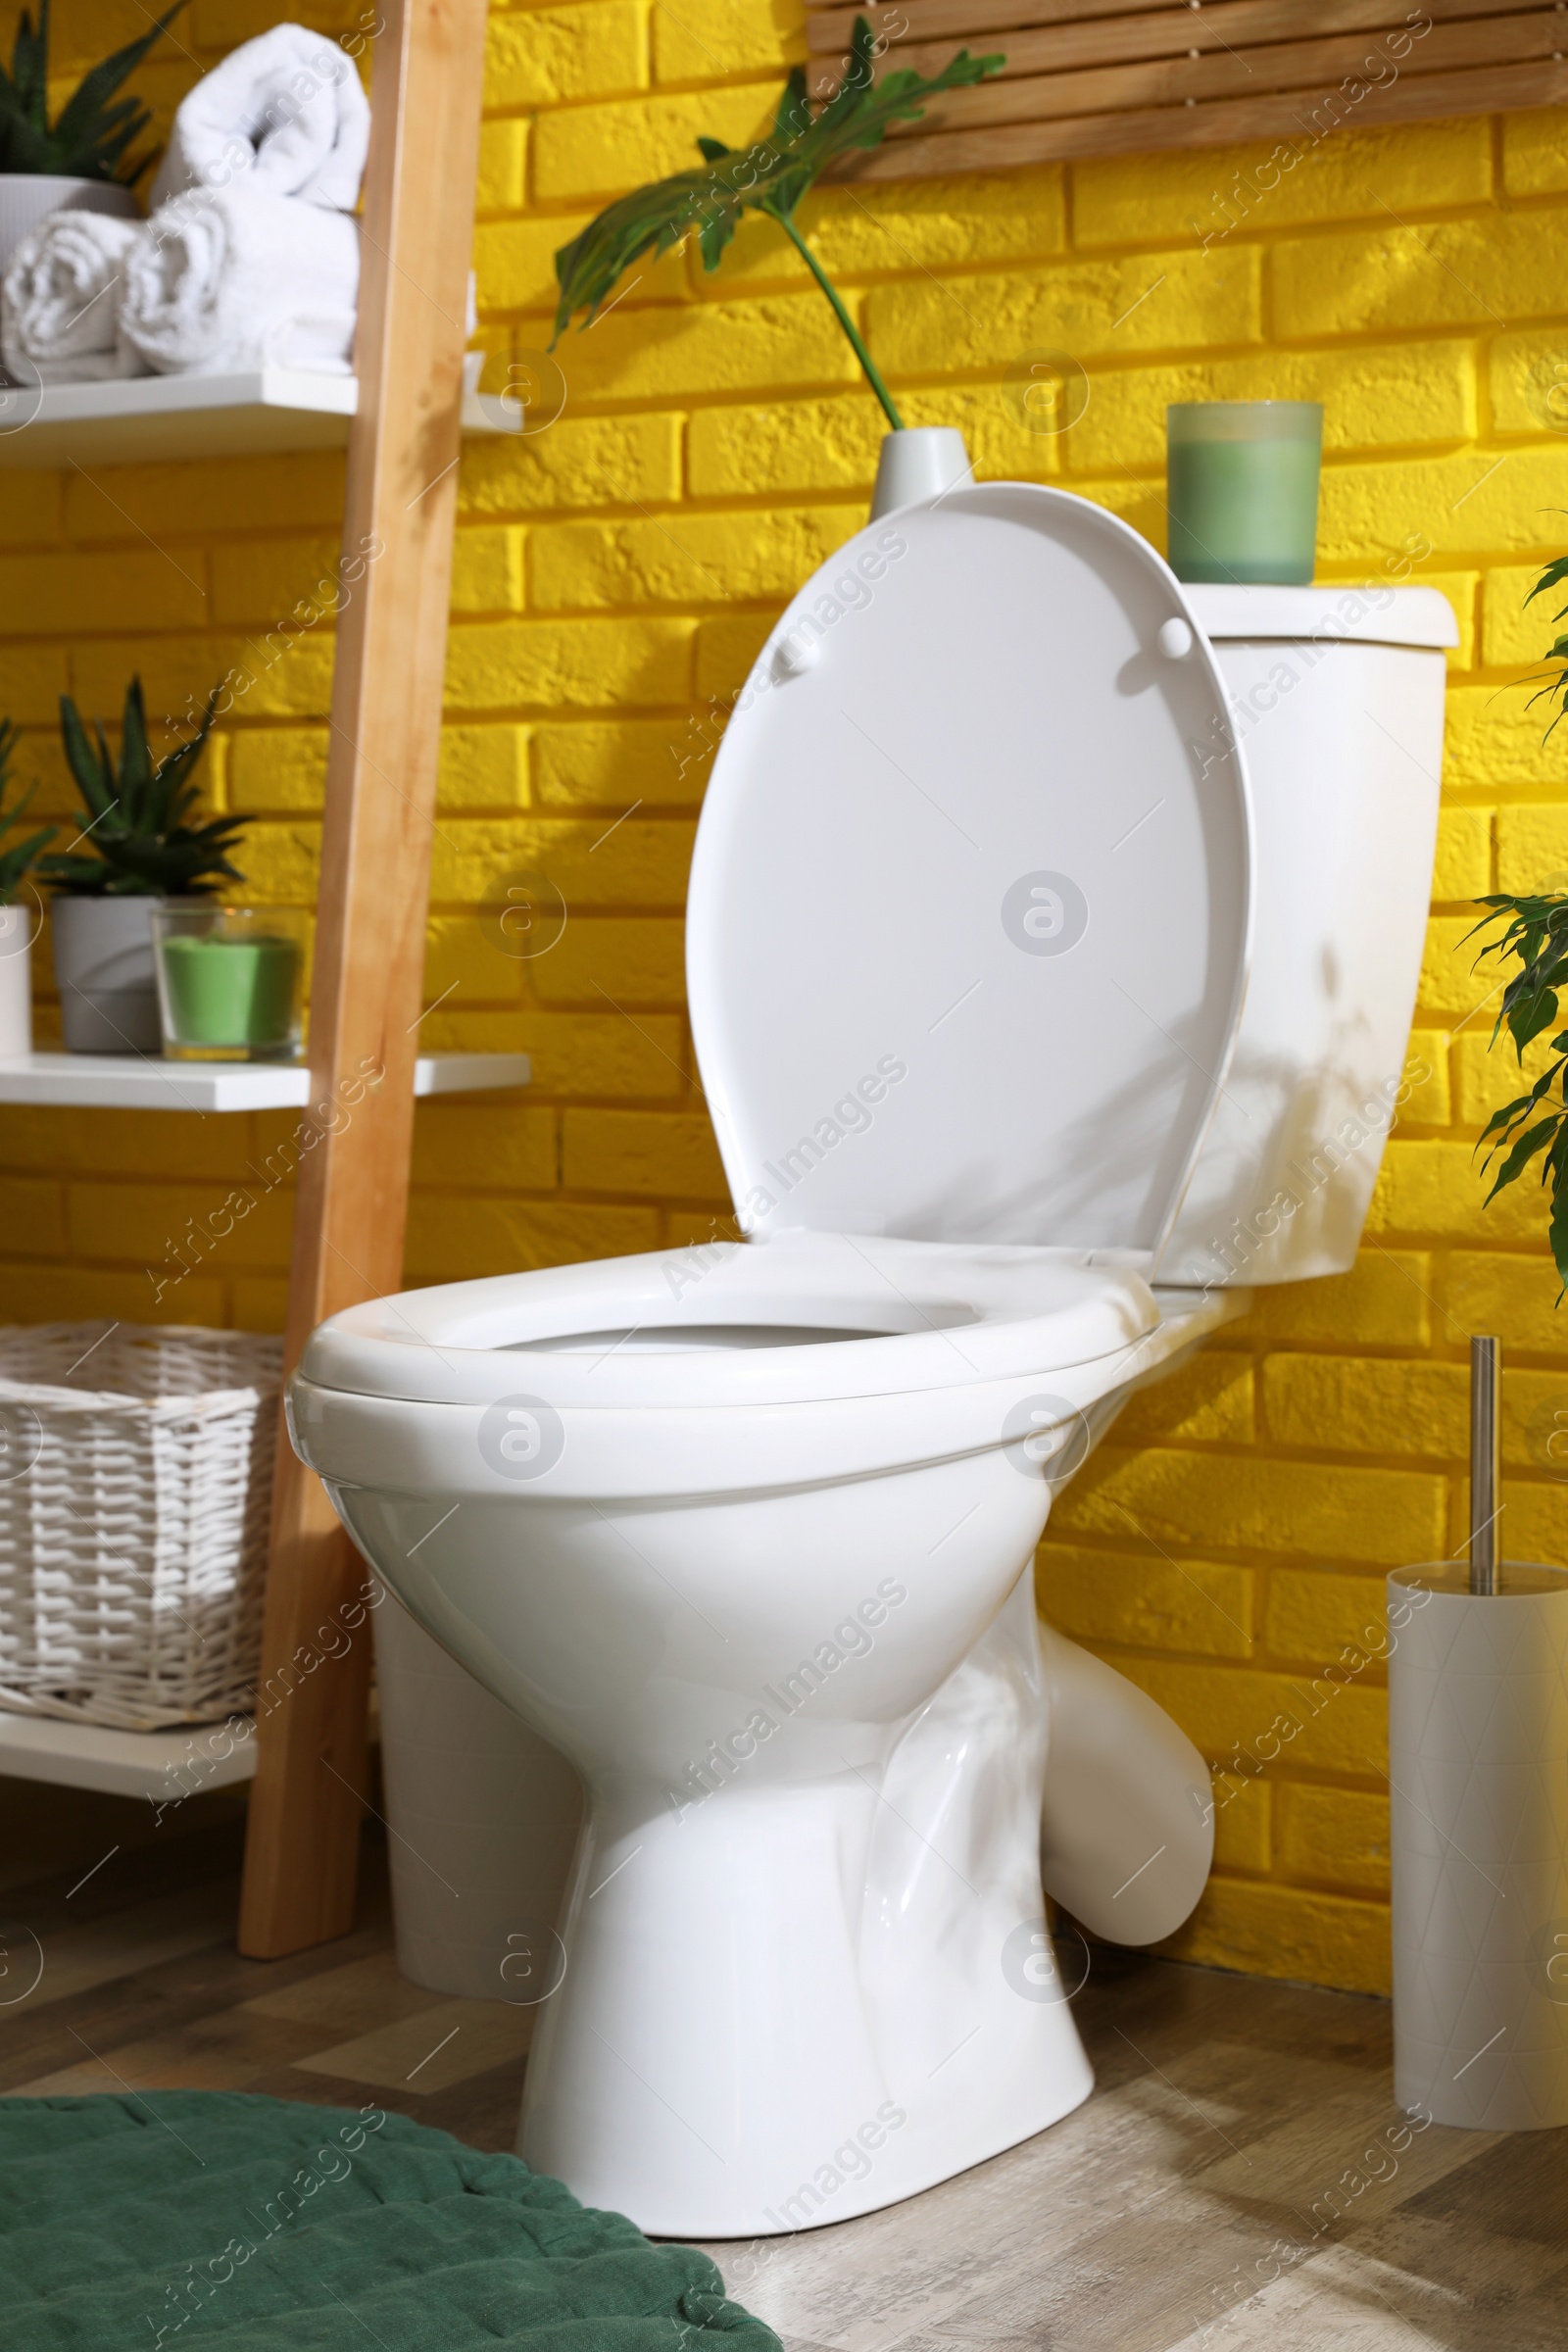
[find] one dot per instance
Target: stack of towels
(250, 256)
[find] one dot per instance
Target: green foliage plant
(1535, 934)
(142, 842)
(769, 177)
(89, 136)
(16, 857)
(1555, 689)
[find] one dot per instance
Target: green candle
(237, 992)
(1241, 489)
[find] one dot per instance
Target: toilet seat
(996, 1345)
(876, 1318)
(415, 1391)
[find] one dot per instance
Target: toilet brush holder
(1477, 1771)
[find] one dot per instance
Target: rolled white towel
(60, 301)
(285, 111)
(234, 278)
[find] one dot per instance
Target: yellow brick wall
(614, 575)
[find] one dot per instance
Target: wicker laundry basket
(135, 1480)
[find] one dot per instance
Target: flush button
(1175, 639)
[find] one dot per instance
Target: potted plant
(17, 860)
(80, 159)
(771, 177)
(137, 848)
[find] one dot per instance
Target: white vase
(17, 925)
(106, 975)
(1478, 1769)
(29, 197)
(918, 465)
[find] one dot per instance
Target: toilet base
(903, 2162)
(794, 2003)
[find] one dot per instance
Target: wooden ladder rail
(302, 1844)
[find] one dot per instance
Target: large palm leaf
(771, 176)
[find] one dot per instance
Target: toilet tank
(1336, 700)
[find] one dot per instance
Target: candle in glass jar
(1241, 481)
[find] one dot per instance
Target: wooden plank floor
(1240, 2179)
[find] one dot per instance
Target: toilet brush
(1477, 1773)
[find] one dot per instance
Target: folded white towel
(60, 301)
(285, 111)
(234, 278)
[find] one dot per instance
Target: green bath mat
(129, 2224)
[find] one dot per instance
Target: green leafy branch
(771, 177)
(1536, 932)
(140, 811)
(1555, 690)
(88, 138)
(1535, 936)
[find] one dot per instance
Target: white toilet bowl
(754, 1559)
(1007, 996)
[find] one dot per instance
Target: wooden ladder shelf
(302, 1849)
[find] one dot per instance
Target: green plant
(1555, 689)
(1534, 933)
(771, 177)
(88, 137)
(16, 857)
(142, 844)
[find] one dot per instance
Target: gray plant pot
(29, 197)
(106, 978)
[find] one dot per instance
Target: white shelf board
(146, 419)
(131, 1082)
(185, 1759)
(172, 1763)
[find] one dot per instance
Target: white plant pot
(17, 925)
(106, 978)
(29, 197)
(1478, 1767)
(918, 465)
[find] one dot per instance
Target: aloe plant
(1534, 933)
(768, 177)
(142, 844)
(88, 137)
(16, 857)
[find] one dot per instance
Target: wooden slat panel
(1307, 68)
(966, 20)
(1233, 33)
(1099, 78)
(1435, 97)
(979, 24)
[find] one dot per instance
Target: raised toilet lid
(970, 906)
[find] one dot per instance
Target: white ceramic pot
(106, 975)
(918, 465)
(16, 924)
(29, 197)
(1478, 1731)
